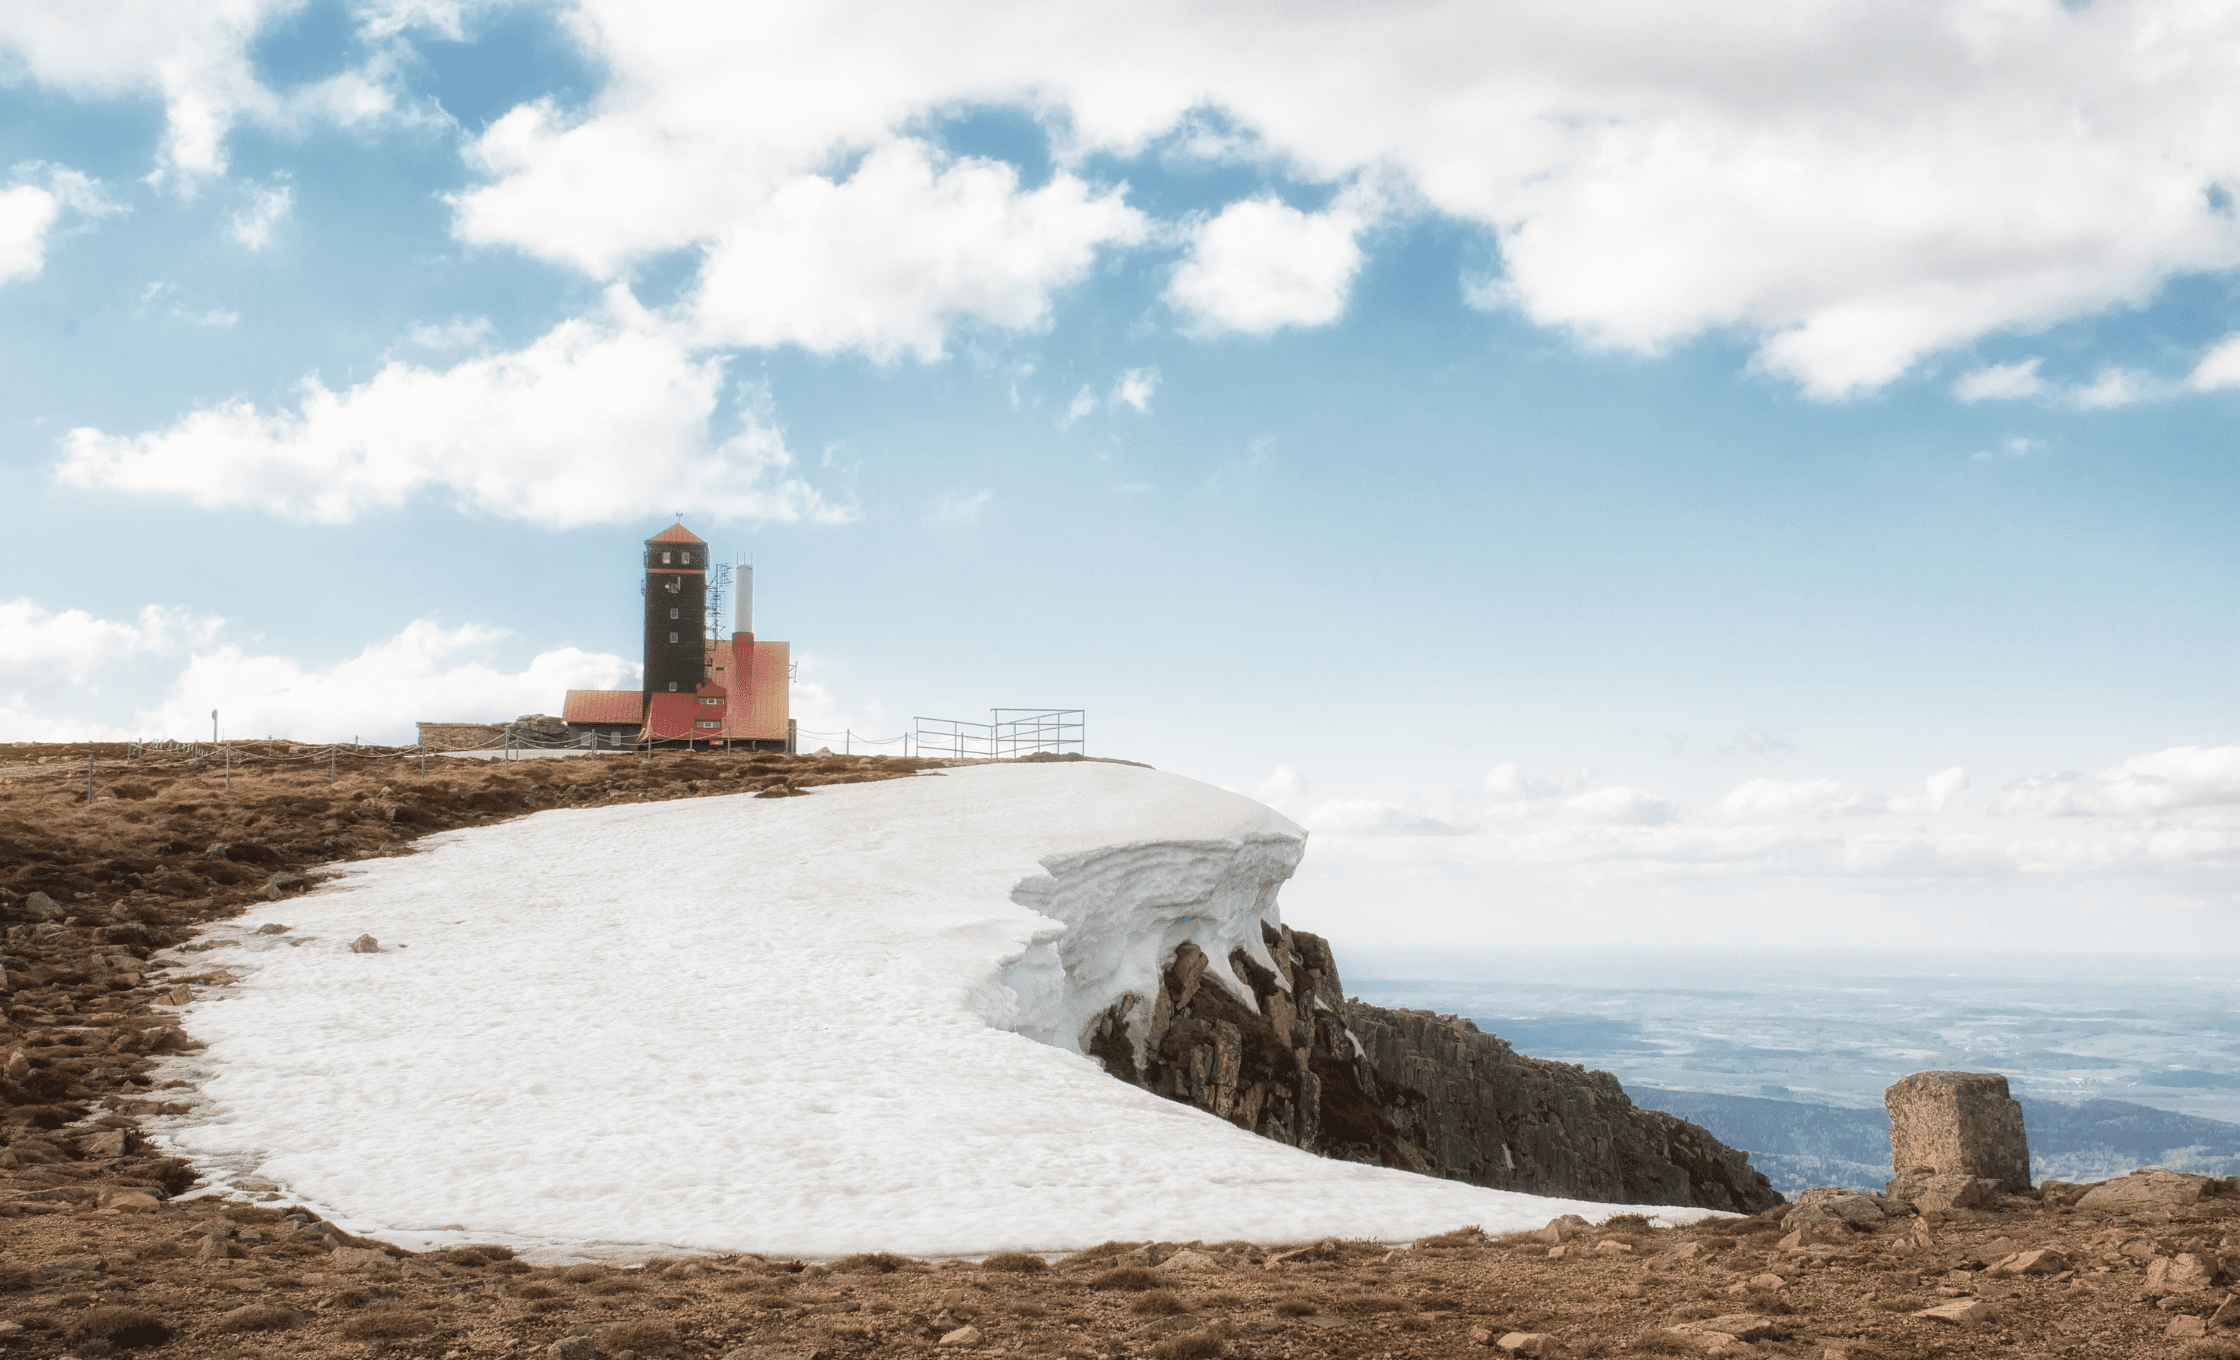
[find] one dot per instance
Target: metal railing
(1009, 734)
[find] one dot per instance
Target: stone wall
(1407, 1089)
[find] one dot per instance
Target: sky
(1667, 475)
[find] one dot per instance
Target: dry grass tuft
(640, 1334)
(1159, 1303)
(1016, 1263)
(1103, 1251)
(1295, 1307)
(871, 1263)
(1469, 1236)
(256, 1317)
(584, 1273)
(124, 1328)
(1128, 1277)
(1199, 1345)
(387, 1324)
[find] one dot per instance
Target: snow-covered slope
(811, 1025)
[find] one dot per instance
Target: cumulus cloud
(1133, 389)
(27, 213)
(601, 420)
(1261, 265)
(1858, 186)
(2219, 369)
(42, 651)
(194, 56)
(426, 671)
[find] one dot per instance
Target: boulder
(365, 944)
(962, 1336)
(1959, 1123)
(40, 907)
(2153, 1188)
(1527, 1343)
(1959, 1312)
(2040, 1261)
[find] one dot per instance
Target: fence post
(89, 779)
(229, 767)
(331, 750)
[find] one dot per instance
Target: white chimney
(744, 579)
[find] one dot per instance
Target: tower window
(664, 559)
(672, 636)
(672, 613)
(672, 686)
(688, 559)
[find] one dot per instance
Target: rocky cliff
(1407, 1089)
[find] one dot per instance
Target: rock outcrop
(1958, 1124)
(1408, 1089)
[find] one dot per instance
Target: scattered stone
(2181, 1328)
(272, 928)
(1767, 1281)
(1614, 1248)
(2042, 1261)
(574, 1348)
(1527, 1343)
(1564, 1229)
(40, 907)
(74, 1265)
(103, 1144)
(962, 1336)
(1960, 1312)
(2145, 1191)
(365, 944)
(2228, 1312)
(130, 1201)
(2184, 1273)
(1480, 1336)
(360, 1258)
(1959, 1123)
(1186, 1259)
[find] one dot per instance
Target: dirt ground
(97, 1258)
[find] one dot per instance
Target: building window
(707, 722)
(664, 559)
(672, 613)
(672, 637)
(688, 559)
(672, 686)
(711, 701)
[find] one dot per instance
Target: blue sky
(1625, 459)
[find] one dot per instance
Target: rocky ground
(104, 1249)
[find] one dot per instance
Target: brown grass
(1016, 1263)
(1128, 1277)
(1470, 1236)
(124, 1328)
(642, 1334)
(1198, 1345)
(387, 1324)
(1295, 1307)
(256, 1317)
(1158, 1303)
(871, 1263)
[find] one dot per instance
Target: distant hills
(1799, 1145)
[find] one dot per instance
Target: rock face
(1958, 1124)
(1409, 1089)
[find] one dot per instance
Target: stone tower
(676, 612)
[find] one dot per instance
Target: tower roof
(676, 533)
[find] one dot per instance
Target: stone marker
(1958, 1124)
(365, 944)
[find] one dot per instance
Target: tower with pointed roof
(676, 612)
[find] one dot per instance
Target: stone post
(1958, 1124)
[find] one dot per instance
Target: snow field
(805, 1026)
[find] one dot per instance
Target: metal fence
(1008, 734)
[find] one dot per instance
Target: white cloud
(194, 56)
(1261, 265)
(2013, 446)
(1134, 389)
(1084, 403)
(27, 213)
(42, 652)
(2219, 369)
(600, 420)
(253, 225)
(457, 333)
(2114, 386)
(2063, 862)
(953, 511)
(2001, 382)
(425, 672)
(1857, 186)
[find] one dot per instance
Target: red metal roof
(676, 533)
(603, 706)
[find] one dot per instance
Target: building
(699, 686)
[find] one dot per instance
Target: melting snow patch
(848, 1022)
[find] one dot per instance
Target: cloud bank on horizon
(359, 289)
